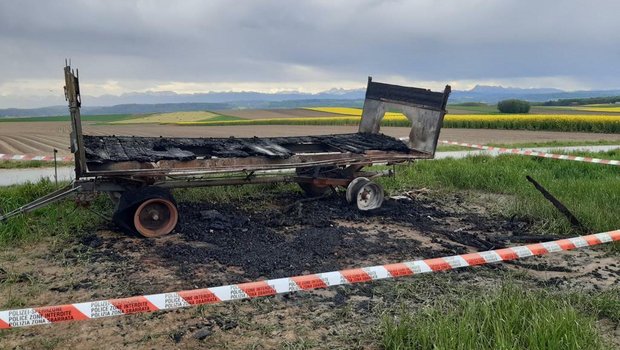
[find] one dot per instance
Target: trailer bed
(102, 149)
(128, 155)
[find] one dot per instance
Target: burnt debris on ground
(152, 149)
(222, 243)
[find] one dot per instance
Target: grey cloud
(341, 40)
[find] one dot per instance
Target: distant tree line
(513, 106)
(582, 101)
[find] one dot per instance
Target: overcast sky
(196, 46)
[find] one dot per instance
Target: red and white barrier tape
(174, 300)
(30, 157)
(532, 153)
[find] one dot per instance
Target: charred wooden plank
(101, 149)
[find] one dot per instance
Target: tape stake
(532, 153)
(265, 288)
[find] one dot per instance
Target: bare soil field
(43, 137)
(224, 243)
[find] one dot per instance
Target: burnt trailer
(138, 172)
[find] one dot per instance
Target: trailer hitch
(43, 201)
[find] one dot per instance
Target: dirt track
(42, 137)
(229, 243)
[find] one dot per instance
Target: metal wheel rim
(369, 197)
(155, 217)
(354, 187)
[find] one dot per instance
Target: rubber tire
(130, 201)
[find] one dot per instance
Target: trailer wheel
(148, 211)
(155, 217)
(365, 194)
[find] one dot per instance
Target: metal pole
(55, 167)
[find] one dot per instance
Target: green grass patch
(511, 318)
(590, 191)
(473, 107)
(452, 148)
(604, 304)
(60, 219)
(17, 164)
(222, 118)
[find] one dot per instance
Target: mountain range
(157, 102)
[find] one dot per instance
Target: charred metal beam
(575, 223)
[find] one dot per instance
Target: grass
(17, 164)
(222, 117)
(604, 304)
(61, 219)
(511, 318)
(590, 191)
(468, 108)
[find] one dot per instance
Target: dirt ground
(263, 236)
(40, 138)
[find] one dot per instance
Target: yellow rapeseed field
(351, 116)
(493, 117)
(598, 109)
(348, 111)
